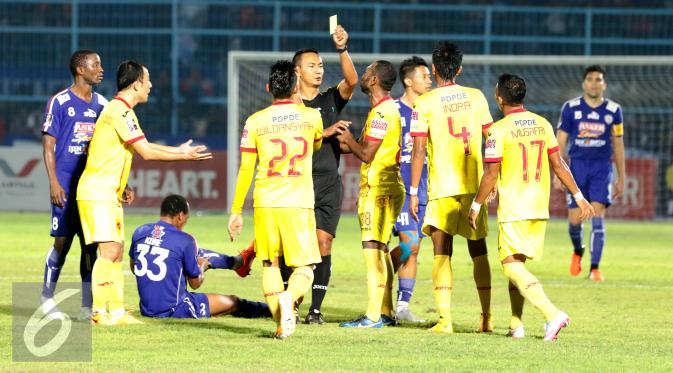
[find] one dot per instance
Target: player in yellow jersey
(284, 137)
(381, 190)
(450, 121)
(520, 150)
(102, 188)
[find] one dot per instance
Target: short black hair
(512, 89)
(385, 71)
(173, 205)
(447, 58)
(409, 65)
(297, 55)
(78, 59)
(594, 69)
(282, 79)
(129, 72)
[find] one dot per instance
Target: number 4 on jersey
(463, 134)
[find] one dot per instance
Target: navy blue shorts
(65, 220)
(405, 222)
(193, 306)
(594, 178)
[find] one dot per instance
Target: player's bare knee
(477, 248)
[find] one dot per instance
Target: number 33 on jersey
(283, 136)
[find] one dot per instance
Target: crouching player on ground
(520, 150)
(164, 259)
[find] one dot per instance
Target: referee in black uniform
(326, 180)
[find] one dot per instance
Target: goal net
(640, 84)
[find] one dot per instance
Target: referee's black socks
(322, 274)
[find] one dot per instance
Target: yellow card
(332, 24)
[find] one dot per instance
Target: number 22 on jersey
(279, 159)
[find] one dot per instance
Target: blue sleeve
(52, 118)
(619, 118)
(189, 262)
(134, 241)
(565, 121)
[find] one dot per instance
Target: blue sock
(251, 310)
(577, 237)
(217, 260)
(52, 270)
(597, 240)
(405, 289)
(86, 262)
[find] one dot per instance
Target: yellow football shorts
(449, 215)
(521, 237)
(101, 221)
(287, 232)
(378, 211)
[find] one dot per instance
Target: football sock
(516, 301)
(387, 303)
(405, 289)
(52, 270)
(251, 310)
(86, 262)
(597, 240)
(322, 273)
(116, 290)
(531, 288)
(300, 281)
(577, 238)
(272, 285)
(101, 282)
(218, 260)
(376, 282)
(442, 281)
(482, 279)
(285, 271)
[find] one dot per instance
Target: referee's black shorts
(328, 198)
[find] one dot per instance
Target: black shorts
(328, 198)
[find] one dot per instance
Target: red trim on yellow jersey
(372, 138)
(135, 139)
(284, 102)
(318, 139)
(122, 100)
(249, 150)
(552, 150)
(382, 100)
(418, 134)
(493, 160)
(486, 126)
(446, 84)
(517, 110)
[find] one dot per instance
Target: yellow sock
(100, 283)
(442, 281)
(376, 282)
(116, 291)
(300, 281)
(272, 285)
(387, 304)
(516, 301)
(531, 288)
(482, 278)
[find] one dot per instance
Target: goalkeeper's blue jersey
(164, 257)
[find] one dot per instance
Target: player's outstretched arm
(350, 81)
(364, 152)
(486, 186)
(56, 191)
(562, 171)
(185, 152)
(418, 151)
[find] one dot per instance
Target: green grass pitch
(623, 324)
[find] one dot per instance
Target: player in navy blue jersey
(164, 259)
(69, 122)
(591, 128)
(416, 80)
